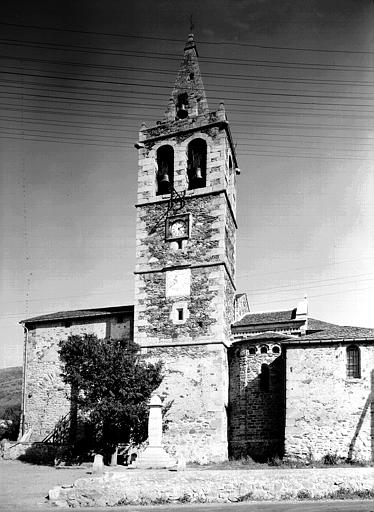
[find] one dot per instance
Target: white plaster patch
(178, 283)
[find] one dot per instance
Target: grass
(302, 495)
(327, 460)
(349, 494)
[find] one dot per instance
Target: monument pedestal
(154, 456)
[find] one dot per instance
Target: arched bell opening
(165, 169)
(182, 105)
(196, 164)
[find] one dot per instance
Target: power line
(311, 105)
(248, 136)
(215, 43)
(169, 56)
(313, 296)
(248, 90)
(231, 76)
(294, 269)
(280, 289)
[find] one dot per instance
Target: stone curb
(145, 487)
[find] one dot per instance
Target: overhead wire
(214, 43)
(278, 289)
(176, 57)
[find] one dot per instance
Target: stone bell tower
(185, 266)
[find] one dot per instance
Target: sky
(77, 79)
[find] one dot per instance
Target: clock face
(177, 227)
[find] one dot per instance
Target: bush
(330, 459)
(9, 428)
(303, 494)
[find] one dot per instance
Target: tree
(111, 385)
(9, 422)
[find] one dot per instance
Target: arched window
(196, 164)
(165, 169)
(252, 350)
(353, 362)
(265, 378)
(276, 349)
(182, 105)
(264, 349)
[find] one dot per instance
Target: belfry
(185, 273)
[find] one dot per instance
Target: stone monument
(98, 465)
(154, 456)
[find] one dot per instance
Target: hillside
(10, 387)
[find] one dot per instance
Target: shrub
(330, 459)
(246, 497)
(303, 494)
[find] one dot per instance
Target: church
(242, 384)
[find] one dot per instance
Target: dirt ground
(24, 486)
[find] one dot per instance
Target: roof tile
(271, 317)
(79, 313)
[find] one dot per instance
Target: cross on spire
(192, 26)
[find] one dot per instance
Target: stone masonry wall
(205, 245)
(230, 243)
(205, 309)
(197, 420)
(256, 417)
(47, 397)
(326, 411)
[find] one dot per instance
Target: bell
(165, 179)
(198, 175)
(182, 112)
(164, 183)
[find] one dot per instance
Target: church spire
(188, 97)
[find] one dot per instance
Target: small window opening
(196, 164)
(165, 169)
(252, 350)
(276, 349)
(230, 163)
(264, 378)
(192, 76)
(179, 244)
(180, 313)
(353, 362)
(182, 105)
(264, 349)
